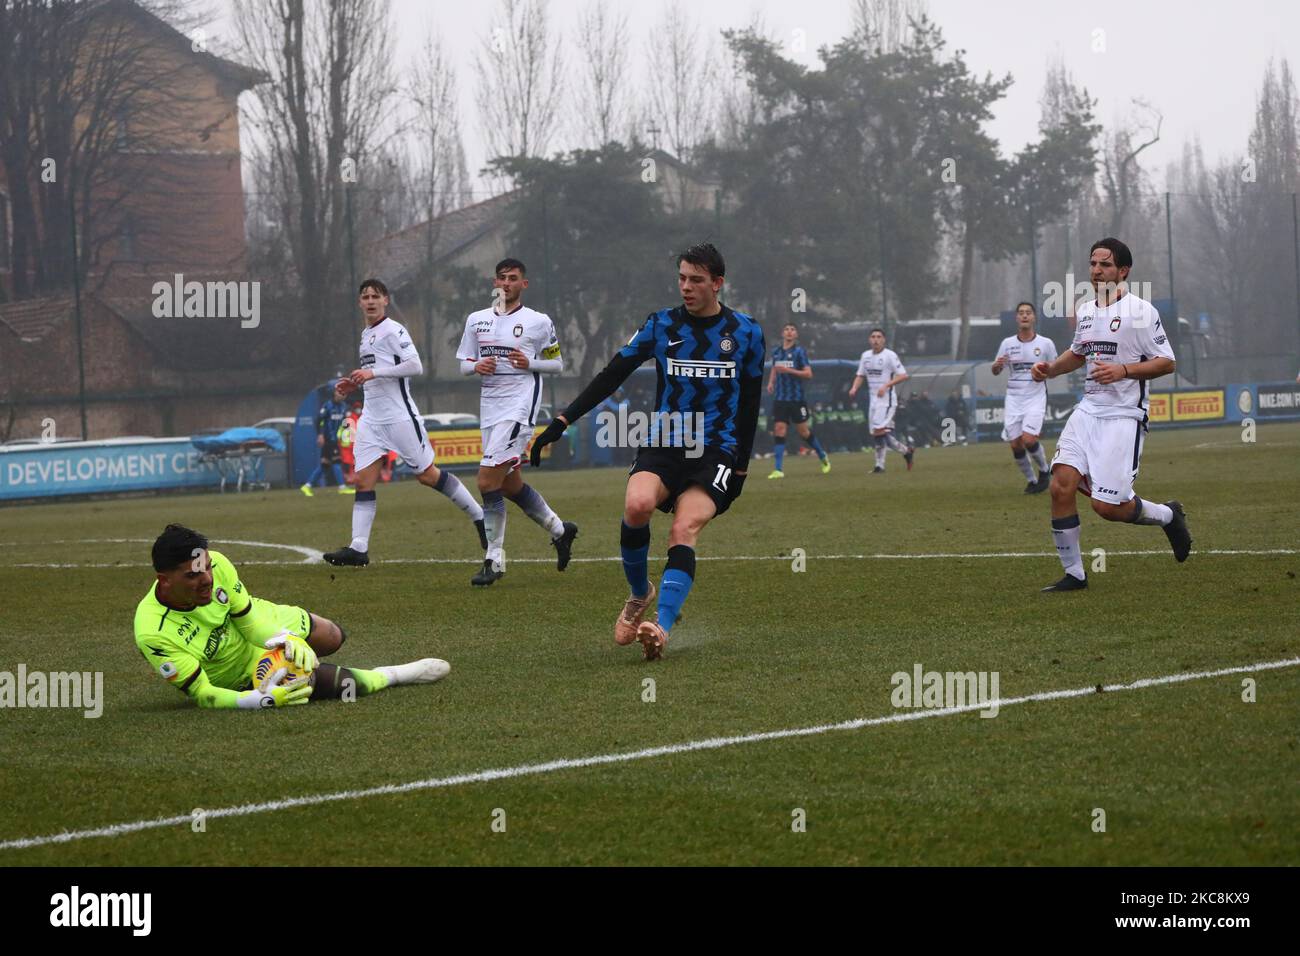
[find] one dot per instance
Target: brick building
(174, 206)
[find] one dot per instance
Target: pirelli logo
(697, 369)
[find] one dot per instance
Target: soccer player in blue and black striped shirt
(709, 360)
(790, 367)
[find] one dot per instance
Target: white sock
(1151, 513)
(494, 523)
(895, 444)
(1065, 534)
(450, 486)
(1039, 456)
(535, 506)
(1026, 469)
(363, 516)
(880, 457)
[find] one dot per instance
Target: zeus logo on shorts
(697, 369)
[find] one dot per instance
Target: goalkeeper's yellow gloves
(296, 650)
(271, 693)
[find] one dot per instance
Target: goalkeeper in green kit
(201, 630)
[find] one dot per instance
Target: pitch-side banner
(83, 468)
(1205, 405)
(463, 446)
(1278, 401)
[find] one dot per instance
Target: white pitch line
(310, 555)
(318, 558)
(533, 769)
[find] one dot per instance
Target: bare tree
(738, 107)
(520, 80)
(88, 92)
(603, 40)
(886, 21)
(327, 110)
(1122, 176)
(681, 79)
(440, 167)
(440, 152)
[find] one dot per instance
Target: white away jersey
(1126, 331)
(509, 394)
(878, 369)
(1021, 357)
(387, 400)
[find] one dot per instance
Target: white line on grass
(532, 769)
(309, 555)
(315, 557)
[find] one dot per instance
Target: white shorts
(505, 443)
(882, 412)
(1022, 415)
(1106, 451)
(408, 439)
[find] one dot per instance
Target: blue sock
(816, 446)
(678, 577)
(636, 558)
(315, 474)
(780, 452)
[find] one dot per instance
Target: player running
(389, 419)
(790, 367)
(882, 370)
(510, 346)
(1026, 402)
(709, 361)
(1119, 335)
(203, 633)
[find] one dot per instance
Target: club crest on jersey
(1038, 351)
(371, 340)
(727, 344)
(221, 596)
(519, 330)
(1115, 323)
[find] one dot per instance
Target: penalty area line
(576, 763)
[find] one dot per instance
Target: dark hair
(875, 330)
(175, 545)
(373, 284)
(1031, 305)
(506, 264)
(789, 325)
(1123, 257)
(703, 254)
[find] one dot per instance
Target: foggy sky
(1199, 62)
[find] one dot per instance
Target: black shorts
(711, 471)
(790, 412)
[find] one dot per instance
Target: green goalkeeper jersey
(180, 644)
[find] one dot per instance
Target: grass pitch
(1187, 773)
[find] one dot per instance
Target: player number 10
(720, 480)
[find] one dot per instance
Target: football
(271, 661)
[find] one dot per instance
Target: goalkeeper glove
(552, 434)
(271, 693)
(296, 650)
